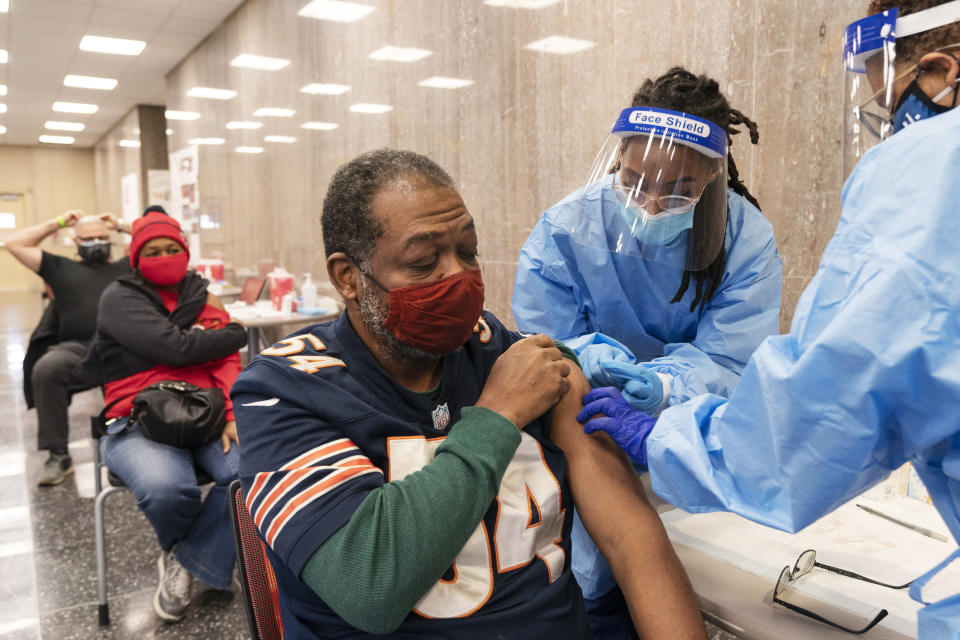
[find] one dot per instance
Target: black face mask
(95, 251)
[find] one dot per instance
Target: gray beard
(373, 313)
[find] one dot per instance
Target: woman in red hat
(158, 324)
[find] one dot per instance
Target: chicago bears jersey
(321, 425)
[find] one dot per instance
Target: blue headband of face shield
(869, 43)
(675, 212)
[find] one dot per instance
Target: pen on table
(926, 532)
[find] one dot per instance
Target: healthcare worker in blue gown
(869, 376)
(660, 272)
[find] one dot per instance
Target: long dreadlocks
(680, 90)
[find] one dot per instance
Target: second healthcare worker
(660, 272)
(869, 376)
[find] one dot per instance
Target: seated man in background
(61, 338)
(413, 465)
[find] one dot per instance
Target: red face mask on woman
(436, 317)
(164, 271)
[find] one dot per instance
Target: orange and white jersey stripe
(276, 497)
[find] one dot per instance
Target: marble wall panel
(525, 133)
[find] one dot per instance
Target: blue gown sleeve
(546, 298)
(744, 310)
(868, 377)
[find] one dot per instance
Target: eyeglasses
(667, 203)
(804, 565)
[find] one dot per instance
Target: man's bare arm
(615, 511)
(24, 245)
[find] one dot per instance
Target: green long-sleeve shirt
(405, 534)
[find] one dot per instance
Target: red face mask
(165, 271)
(437, 317)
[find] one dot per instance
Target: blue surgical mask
(659, 230)
(915, 105)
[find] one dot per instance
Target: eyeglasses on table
(804, 565)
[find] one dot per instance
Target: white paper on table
(849, 538)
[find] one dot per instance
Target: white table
(262, 314)
(734, 564)
(226, 292)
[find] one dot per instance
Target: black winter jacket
(136, 332)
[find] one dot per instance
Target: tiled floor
(48, 571)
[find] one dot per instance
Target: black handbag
(179, 413)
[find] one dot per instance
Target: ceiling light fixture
(400, 54)
(325, 88)
(264, 63)
(4, 6)
(130, 144)
(440, 82)
(273, 112)
(335, 10)
(119, 46)
(182, 115)
(201, 141)
(3, 108)
(169, 132)
(243, 124)
(63, 126)
(4, 56)
(74, 107)
(90, 82)
(285, 139)
(320, 126)
(3, 129)
(3, 89)
(56, 139)
(210, 92)
(364, 107)
(560, 45)
(249, 149)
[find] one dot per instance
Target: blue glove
(640, 386)
(628, 427)
(590, 358)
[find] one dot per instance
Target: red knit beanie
(154, 225)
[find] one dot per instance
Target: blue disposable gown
(573, 290)
(869, 375)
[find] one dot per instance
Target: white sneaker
(173, 591)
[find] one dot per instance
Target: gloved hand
(628, 427)
(590, 358)
(640, 386)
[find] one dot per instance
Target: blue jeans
(164, 483)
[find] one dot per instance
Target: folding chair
(261, 596)
(114, 484)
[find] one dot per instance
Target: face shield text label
(679, 123)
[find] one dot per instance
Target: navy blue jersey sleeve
(495, 338)
(302, 477)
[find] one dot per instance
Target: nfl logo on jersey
(441, 417)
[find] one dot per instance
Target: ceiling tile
(141, 6)
(190, 26)
(64, 9)
(134, 21)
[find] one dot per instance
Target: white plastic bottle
(308, 293)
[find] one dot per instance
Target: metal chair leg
(103, 608)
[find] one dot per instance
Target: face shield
(657, 190)
(870, 76)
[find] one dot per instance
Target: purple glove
(628, 427)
